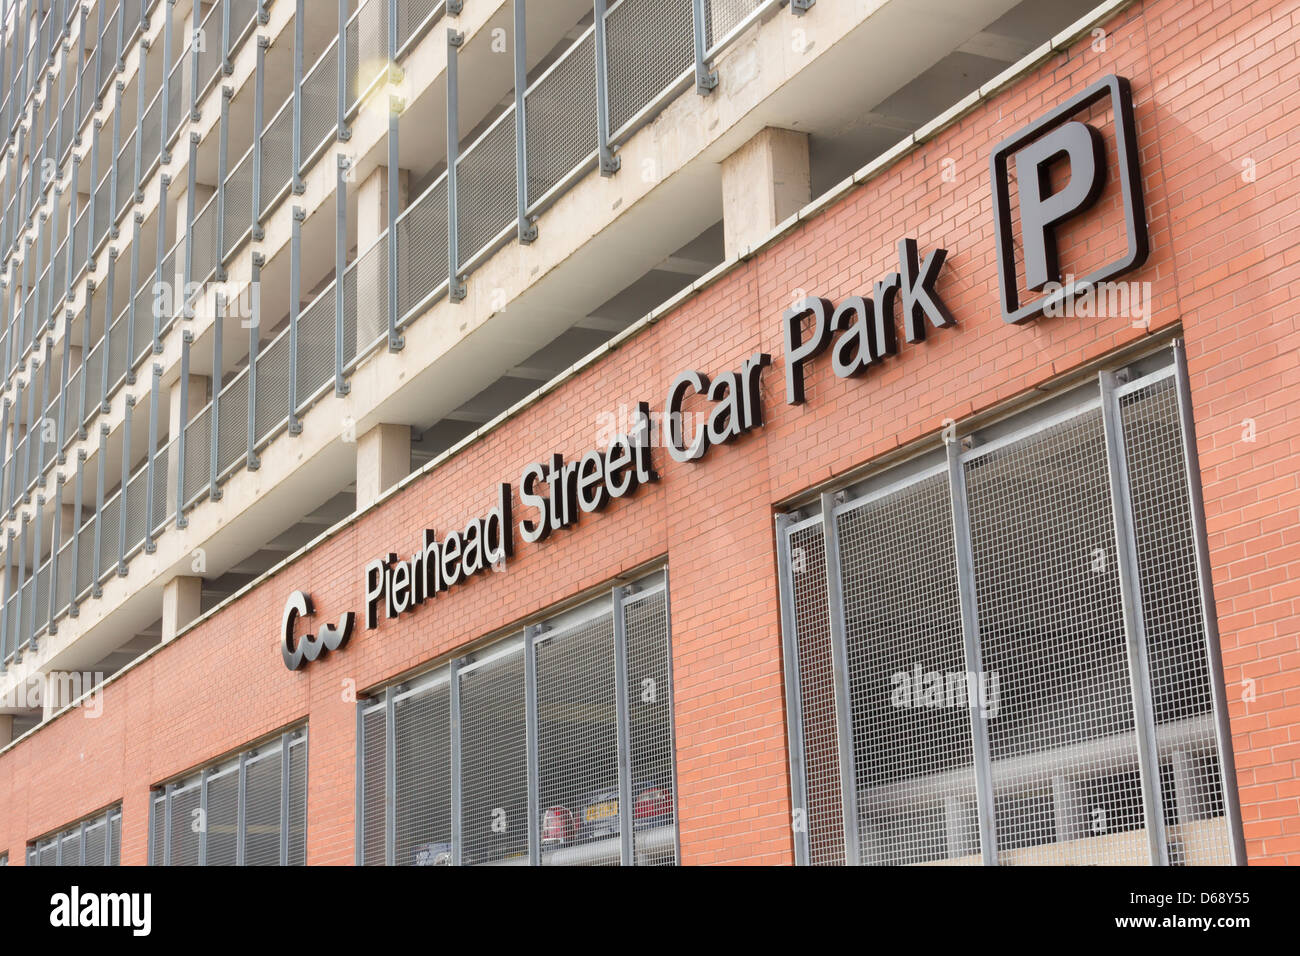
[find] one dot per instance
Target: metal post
(527, 230)
(455, 287)
(77, 85)
(120, 41)
(141, 82)
(75, 557)
(358, 783)
(344, 131)
(341, 386)
(18, 603)
(284, 799)
(253, 332)
(149, 545)
(706, 81)
(1209, 611)
(137, 220)
(223, 146)
(36, 572)
(627, 852)
(96, 126)
(214, 416)
(457, 837)
(167, 817)
(69, 260)
(187, 339)
(186, 305)
(295, 294)
(65, 371)
(4, 607)
(974, 653)
(259, 125)
(842, 683)
(121, 491)
(241, 810)
(161, 283)
(203, 815)
(164, 117)
(196, 37)
(531, 737)
(1134, 622)
(390, 779)
(96, 558)
(114, 171)
(83, 398)
(299, 187)
(227, 67)
(609, 163)
(59, 482)
(104, 406)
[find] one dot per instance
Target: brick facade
(1212, 85)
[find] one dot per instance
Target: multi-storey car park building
(331, 507)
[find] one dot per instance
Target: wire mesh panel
(242, 15)
(374, 724)
(1062, 746)
(222, 817)
(108, 540)
(422, 264)
(272, 388)
(208, 43)
(560, 114)
(126, 176)
(203, 242)
(118, 360)
(367, 52)
(115, 838)
(64, 583)
(86, 555)
(277, 157)
(94, 363)
(487, 187)
(198, 453)
(651, 46)
(136, 501)
(823, 816)
(161, 470)
(262, 808)
(494, 766)
(296, 838)
(320, 98)
(577, 741)
(151, 130)
(1181, 695)
(232, 424)
(103, 200)
(316, 346)
(97, 835)
(177, 111)
(909, 689)
(413, 17)
(142, 321)
(369, 302)
(70, 849)
(187, 823)
(650, 732)
(422, 725)
(237, 221)
(107, 47)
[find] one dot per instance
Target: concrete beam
(763, 183)
(180, 605)
(383, 459)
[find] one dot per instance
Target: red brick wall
(1211, 84)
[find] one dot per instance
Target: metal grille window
(511, 755)
(1009, 656)
(249, 810)
(94, 841)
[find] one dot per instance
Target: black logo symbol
(311, 646)
(1036, 149)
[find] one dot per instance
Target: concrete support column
(763, 183)
(383, 459)
(372, 272)
(196, 396)
(181, 604)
